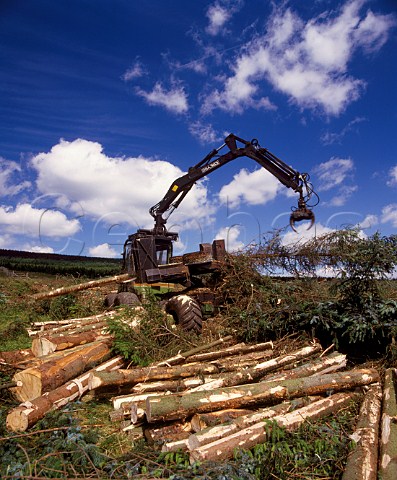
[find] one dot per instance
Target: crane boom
(237, 147)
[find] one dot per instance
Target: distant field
(52, 263)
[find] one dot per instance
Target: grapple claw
(300, 214)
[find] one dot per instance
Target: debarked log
(247, 438)
(216, 432)
(179, 406)
(362, 463)
(54, 373)
(388, 439)
(137, 375)
(239, 349)
(59, 325)
(81, 286)
(26, 415)
(331, 363)
(182, 356)
(44, 345)
(254, 373)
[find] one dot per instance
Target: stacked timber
(55, 370)
(211, 403)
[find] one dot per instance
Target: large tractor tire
(186, 312)
(109, 300)
(126, 298)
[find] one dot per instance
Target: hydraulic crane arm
(289, 177)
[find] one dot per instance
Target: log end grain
(17, 421)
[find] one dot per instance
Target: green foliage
(59, 264)
(154, 339)
(60, 453)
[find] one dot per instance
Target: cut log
(27, 414)
(216, 432)
(168, 433)
(181, 357)
(177, 406)
(362, 463)
(45, 345)
(255, 373)
(201, 421)
(333, 362)
(54, 373)
(239, 349)
(72, 329)
(247, 438)
(45, 328)
(137, 375)
(81, 320)
(13, 357)
(388, 441)
(81, 286)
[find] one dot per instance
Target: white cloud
(217, 16)
(344, 193)
(37, 248)
(329, 138)
(389, 214)
(393, 177)
(7, 171)
(104, 250)
(253, 188)
(25, 219)
(230, 235)
(333, 172)
(307, 62)
(369, 221)
(113, 190)
(174, 100)
(137, 70)
(205, 133)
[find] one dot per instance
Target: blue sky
(104, 103)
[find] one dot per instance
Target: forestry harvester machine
(185, 283)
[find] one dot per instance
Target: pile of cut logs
(208, 401)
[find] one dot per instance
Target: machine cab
(145, 253)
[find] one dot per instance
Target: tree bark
(247, 438)
(26, 415)
(388, 444)
(81, 286)
(49, 344)
(137, 375)
(179, 406)
(13, 357)
(202, 421)
(362, 463)
(168, 433)
(252, 374)
(54, 373)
